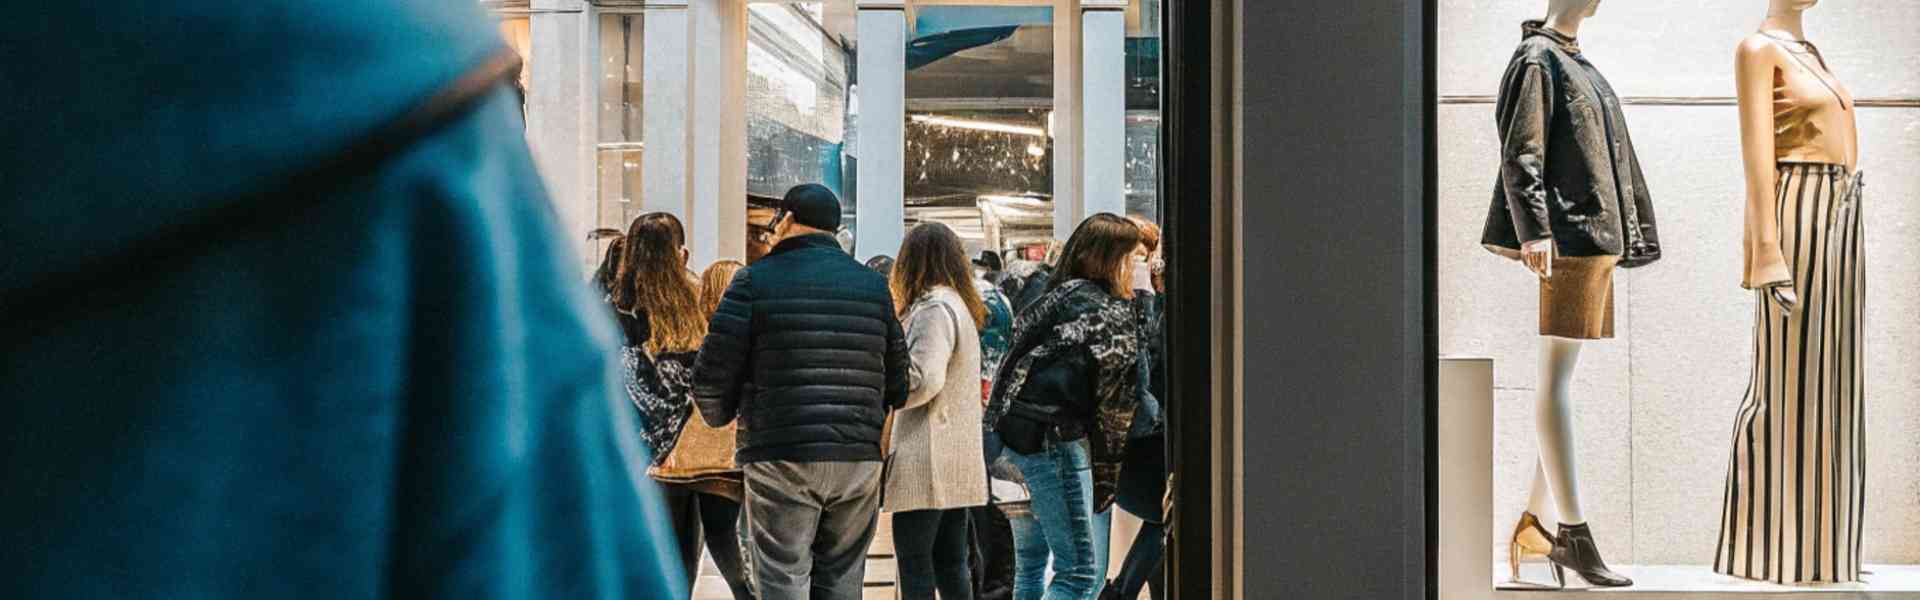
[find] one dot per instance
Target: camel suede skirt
(1577, 302)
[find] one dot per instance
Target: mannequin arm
(1523, 151)
(1754, 66)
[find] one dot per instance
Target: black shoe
(1110, 592)
(1574, 550)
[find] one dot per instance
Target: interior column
(1103, 108)
(717, 130)
(1065, 125)
(667, 76)
(561, 113)
(881, 96)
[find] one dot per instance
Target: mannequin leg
(1539, 497)
(1553, 419)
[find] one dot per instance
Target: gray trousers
(808, 527)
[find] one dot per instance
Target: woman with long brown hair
(936, 456)
(659, 309)
(1064, 401)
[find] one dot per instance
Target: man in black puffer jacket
(807, 352)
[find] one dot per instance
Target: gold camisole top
(1812, 112)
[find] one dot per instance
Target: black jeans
(714, 519)
(1143, 484)
(992, 553)
(931, 548)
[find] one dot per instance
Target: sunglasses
(765, 233)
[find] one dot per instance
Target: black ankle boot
(1574, 550)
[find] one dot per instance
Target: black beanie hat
(813, 205)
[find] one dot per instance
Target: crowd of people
(359, 362)
(997, 413)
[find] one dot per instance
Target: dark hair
(1100, 250)
(931, 256)
(609, 266)
(653, 280)
(882, 263)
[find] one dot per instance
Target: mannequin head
(1778, 7)
(1565, 15)
(1574, 10)
(1784, 16)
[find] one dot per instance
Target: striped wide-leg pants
(1795, 490)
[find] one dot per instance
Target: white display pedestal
(1467, 568)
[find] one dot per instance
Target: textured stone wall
(1656, 405)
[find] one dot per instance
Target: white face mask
(1142, 274)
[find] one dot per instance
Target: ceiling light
(980, 125)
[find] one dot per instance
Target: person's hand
(1783, 295)
(1538, 256)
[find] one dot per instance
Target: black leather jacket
(1568, 169)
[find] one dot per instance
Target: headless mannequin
(1784, 21)
(1555, 493)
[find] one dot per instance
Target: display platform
(1695, 581)
(1471, 568)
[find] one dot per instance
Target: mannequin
(1571, 205)
(1556, 477)
(1797, 446)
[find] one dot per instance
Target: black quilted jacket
(807, 353)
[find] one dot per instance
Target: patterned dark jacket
(1072, 367)
(807, 352)
(659, 386)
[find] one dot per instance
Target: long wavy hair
(653, 281)
(1100, 250)
(714, 282)
(930, 257)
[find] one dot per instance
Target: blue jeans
(1059, 527)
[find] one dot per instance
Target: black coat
(1568, 170)
(807, 352)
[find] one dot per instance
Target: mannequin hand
(1538, 256)
(1784, 296)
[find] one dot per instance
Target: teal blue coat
(390, 382)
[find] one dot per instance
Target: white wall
(1656, 405)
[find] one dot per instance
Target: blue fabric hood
(126, 116)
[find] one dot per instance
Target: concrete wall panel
(1683, 48)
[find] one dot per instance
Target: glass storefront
(979, 137)
(1002, 136)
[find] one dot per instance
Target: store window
(979, 132)
(798, 72)
(635, 98)
(620, 149)
(1693, 305)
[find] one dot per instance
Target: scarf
(1080, 316)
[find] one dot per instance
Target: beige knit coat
(936, 448)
